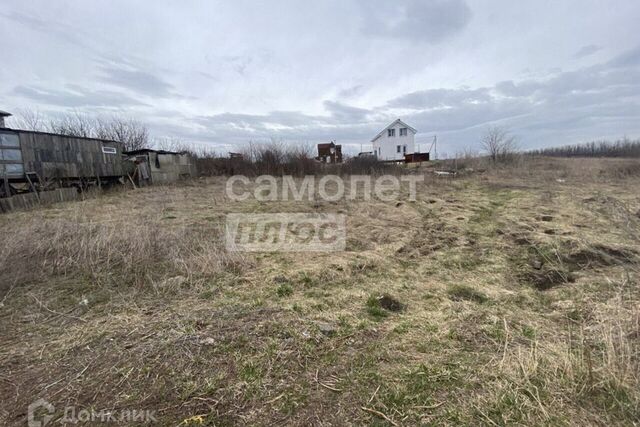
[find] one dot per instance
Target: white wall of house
(394, 146)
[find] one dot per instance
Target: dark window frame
(17, 163)
(17, 146)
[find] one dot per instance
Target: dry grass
(131, 247)
(518, 290)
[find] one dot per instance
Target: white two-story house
(394, 141)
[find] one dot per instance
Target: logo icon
(35, 416)
(286, 232)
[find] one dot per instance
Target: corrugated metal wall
(167, 168)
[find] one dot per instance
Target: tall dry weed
(131, 251)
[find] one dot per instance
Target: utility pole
(435, 146)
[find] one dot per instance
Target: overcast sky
(226, 72)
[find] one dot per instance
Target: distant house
(329, 153)
(394, 142)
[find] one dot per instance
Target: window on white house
(391, 132)
(404, 149)
(403, 131)
(398, 148)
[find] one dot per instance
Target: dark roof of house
(149, 150)
(37, 132)
(326, 145)
(4, 114)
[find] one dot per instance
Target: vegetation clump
(379, 306)
(466, 293)
(284, 290)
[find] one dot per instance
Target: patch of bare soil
(547, 277)
(599, 256)
(435, 236)
(560, 265)
(390, 303)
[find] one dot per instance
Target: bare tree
(499, 143)
(74, 124)
(29, 120)
(132, 133)
(172, 144)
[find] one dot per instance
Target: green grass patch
(284, 290)
(374, 308)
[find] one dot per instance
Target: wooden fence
(31, 200)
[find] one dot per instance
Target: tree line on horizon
(624, 147)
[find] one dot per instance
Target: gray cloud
(587, 51)
(49, 28)
(345, 113)
(351, 92)
(467, 115)
(511, 89)
(287, 124)
(75, 96)
(141, 82)
(630, 58)
(431, 21)
(439, 98)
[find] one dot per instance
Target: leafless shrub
(277, 158)
(466, 159)
(499, 143)
(369, 165)
(178, 145)
(29, 120)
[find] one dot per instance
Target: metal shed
(54, 156)
(160, 166)
(55, 160)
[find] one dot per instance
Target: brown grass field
(519, 289)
